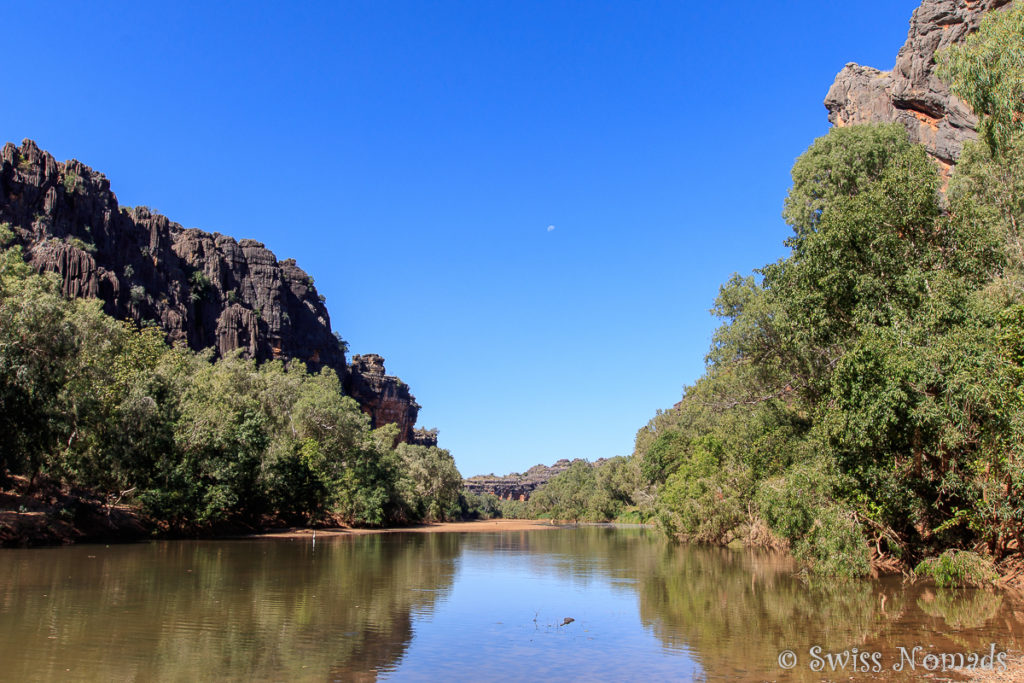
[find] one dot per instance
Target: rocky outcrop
(203, 289)
(911, 93)
(385, 398)
(424, 437)
(516, 486)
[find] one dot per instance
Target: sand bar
(477, 526)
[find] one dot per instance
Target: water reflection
(423, 607)
(235, 610)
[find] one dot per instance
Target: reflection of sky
(501, 621)
(458, 607)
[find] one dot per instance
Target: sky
(527, 207)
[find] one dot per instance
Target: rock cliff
(911, 94)
(386, 399)
(204, 290)
(516, 486)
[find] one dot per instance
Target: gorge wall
(911, 93)
(204, 290)
(517, 486)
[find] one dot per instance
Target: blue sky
(413, 156)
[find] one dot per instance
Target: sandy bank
(478, 526)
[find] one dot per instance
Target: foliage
(342, 344)
(958, 568)
(985, 72)
(568, 495)
(78, 243)
(199, 286)
(703, 498)
(597, 492)
(434, 483)
(864, 395)
(479, 505)
(71, 181)
(197, 442)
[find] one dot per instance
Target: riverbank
(474, 526)
(48, 513)
(51, 514)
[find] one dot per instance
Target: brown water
(485, 606)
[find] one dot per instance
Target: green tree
(985, 72)
(434, 483)
(36, 340)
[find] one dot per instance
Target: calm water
(484, 606)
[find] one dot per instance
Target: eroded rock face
(516, 486)
(205, 290)
(385, 398)
(911, 94)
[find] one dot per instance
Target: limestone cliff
(204, 290)
(911, 93)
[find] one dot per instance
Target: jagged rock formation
(516, 486)
(204, 290)
(911, 94)
(424, 437)
(386, 399)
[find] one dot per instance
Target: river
(467, 606)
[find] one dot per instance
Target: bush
(71, 182)
(800, 507)
(957, 568)
(479, 505)
(83, 245)
(199, 286)
(834, 546)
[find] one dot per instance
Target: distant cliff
(911, 94)
(517, 486)
(204, 290)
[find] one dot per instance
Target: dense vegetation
(863, 400)
(101, 404)
(585, 492)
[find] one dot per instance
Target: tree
(568, 494)
(985, 72)
(434, 483)
(36, 341)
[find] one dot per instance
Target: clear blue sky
(412, 156)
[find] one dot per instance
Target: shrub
(199, 286)
(71, 182)
(955, 568)
(83, 245)
(800, 508)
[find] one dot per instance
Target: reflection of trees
(236, 610)
(965, 608)
(734, 610)
(277, 610)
